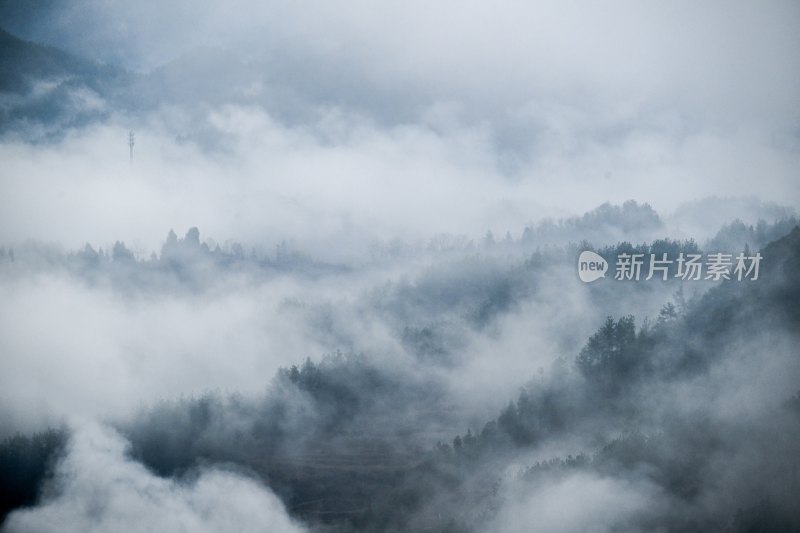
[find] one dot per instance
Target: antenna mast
(131, 140)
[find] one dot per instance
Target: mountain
(335, 440)
(44, 89)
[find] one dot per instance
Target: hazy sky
(409, 118)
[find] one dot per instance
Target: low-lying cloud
(96, 487)
(579, 502)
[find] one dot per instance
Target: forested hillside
(343, 441)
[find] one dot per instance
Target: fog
(120, 491)
(351, 122)
(332, 285)
(274, 182)
(578, 503)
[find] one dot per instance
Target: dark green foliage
(534, 472)
(612, 356)
(332, 438)
(336, 440)
(476, 289)
(736, 236)
(763, 517)
(24, 464)
(619, 366)
(597, 225)
(659, 247)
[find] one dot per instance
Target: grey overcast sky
(471, 115)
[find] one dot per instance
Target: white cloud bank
(579, 503)
(98, 489)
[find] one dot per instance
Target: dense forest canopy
(346, 443)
